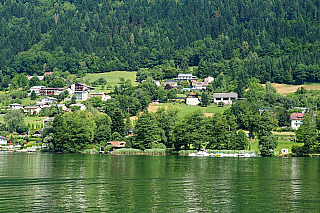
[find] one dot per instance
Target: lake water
(36, 182)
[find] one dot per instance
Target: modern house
(208, 79)
(81, 91)
(48, 100)
(51, 91)
(296, 120)
(186, 77)
(192, 99)
(102, 95)
(172, 83)
(15, 106)
(3, 140)
(36, 89)
(197, 86)
(32, 109)
(226, 98)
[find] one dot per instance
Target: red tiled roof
(296, 116)
(192, 94)
(117, 143)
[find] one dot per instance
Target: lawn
(112, 78)
(281, 145)
(184, 109)
(34, 120)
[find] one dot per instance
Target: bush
(127, 151)
(158, 151)
(187, 152)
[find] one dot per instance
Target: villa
(81, 91)
(226, 98)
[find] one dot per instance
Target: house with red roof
(296, 120)
(192, 99)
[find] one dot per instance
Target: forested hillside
(274, 40)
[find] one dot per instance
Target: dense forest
(275, 40)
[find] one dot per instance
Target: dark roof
(225, 95)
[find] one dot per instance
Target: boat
(200, 153)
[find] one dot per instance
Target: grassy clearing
(112, 78)
(184, 109)
(281, 145)
(286, 88)
(34, 120)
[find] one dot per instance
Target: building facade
(296, 120)
(192, 99)
(226, 98)
(81, 91)
(186, 77)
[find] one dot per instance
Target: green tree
(14, 120)
(117, 121)
(33, 95)
(147, 131)
(204, 99)
(267, 141)
(307, 132)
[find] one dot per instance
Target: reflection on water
(78, 183)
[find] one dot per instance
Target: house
(186, 77)
(37, 133)
(32, 109)
(51, 91)
(82, 106)
(36, 89)
(226, 98)
(197, 86)
(81, 91)
(296, 120)
(39, 77)
(103, 95)
(157, 82)
(50, 119)
(3, 140)
(117, 144)
(15, 106)
(41, 104)
(172, 83)
(48, 100)
(192, 99)
(208, 79)
(62, 106)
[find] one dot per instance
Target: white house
(81, 91)
(192, 99)
(296, 120)
(48, 100)
(103, 96)
(186, 77)
(209, 79)
(15, 106)
(36, 89)
(226, 98)
(3, 140)
(32, 109)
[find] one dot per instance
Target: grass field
(184, 109)
(34, 120)
(281, 145)
(286, 88)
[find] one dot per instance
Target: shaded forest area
(275, 40)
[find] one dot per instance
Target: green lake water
(34, 182)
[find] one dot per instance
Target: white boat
(200, 153)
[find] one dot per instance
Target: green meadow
(34, 120)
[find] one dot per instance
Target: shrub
(127, 151)
(158, 151)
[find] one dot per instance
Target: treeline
(275, 40)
